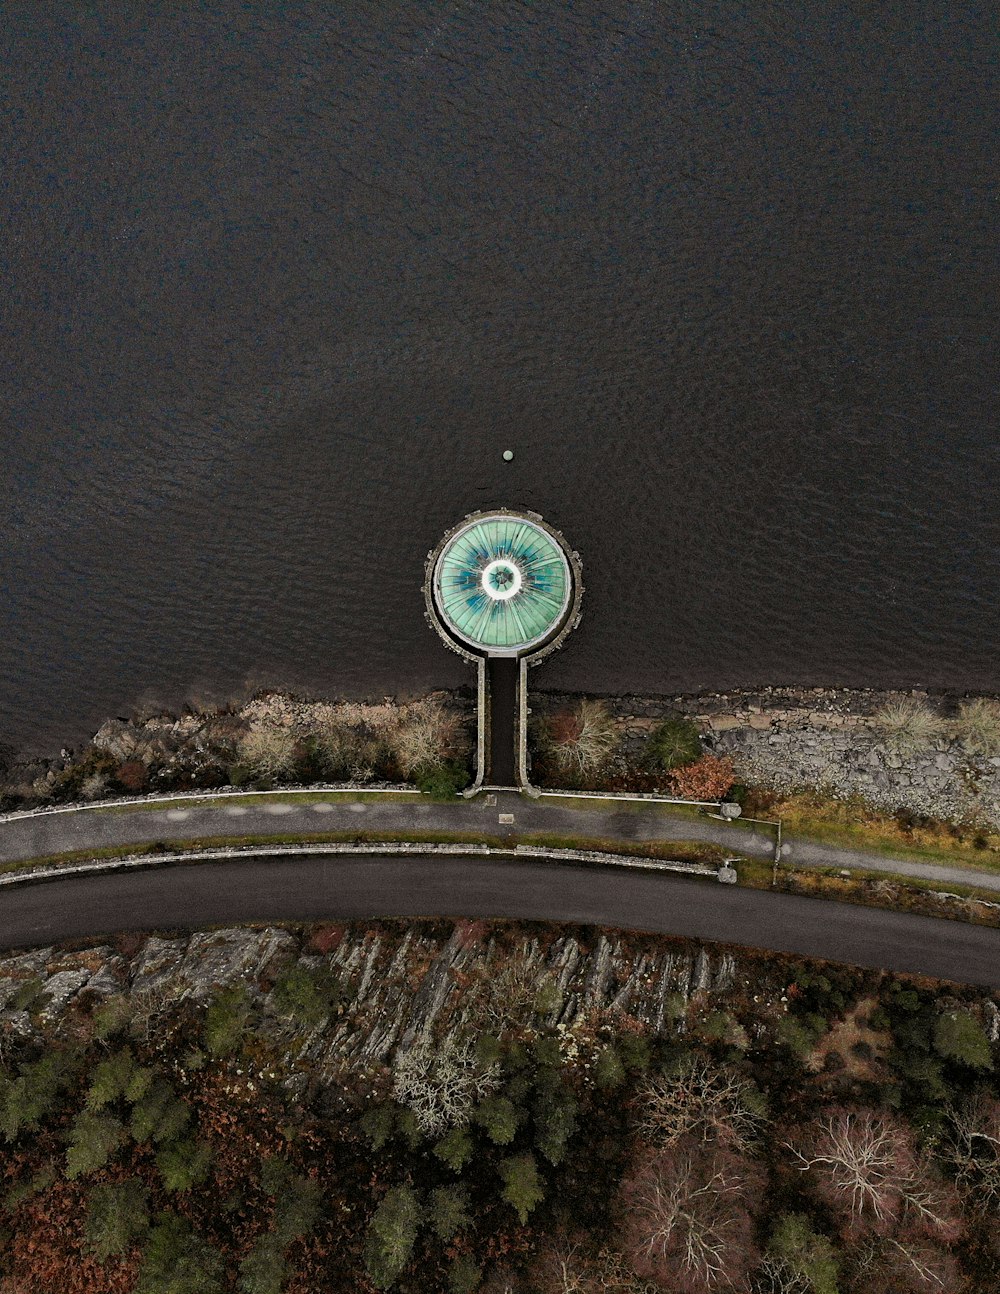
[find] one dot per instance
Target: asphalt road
(340, 888)
(39, 835)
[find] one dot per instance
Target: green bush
(555, 1122)
(31, 996)
(633, 1049)
(522, 1185)
(93, 1139)
(464, 1275)
(297, 1208)
(455, 1149)
(307, 996)
(500, 1118)
(805, 1255)
(391, 1235)
(264, 1269)
(176, 1260)
(119, 1076)
(797, 1036)
(609, 1072)
(159, 1116)
(442, 781)
(111, 1017)
(26, 1100)
(673, 744)
(548, 999)
(117, 1218)
(448, 1211)
(226, 1021)
(184, 1164)
(546, 1052)
(297, 1200)
(377, 1124)
(957, 1036)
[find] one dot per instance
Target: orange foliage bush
(133, 775)
(708, 778)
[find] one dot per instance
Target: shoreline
(780, 738)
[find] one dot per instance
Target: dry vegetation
(908, 725)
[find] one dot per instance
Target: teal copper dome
(502, 584)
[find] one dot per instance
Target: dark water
(278, 290)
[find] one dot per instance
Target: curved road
(339, 888)
(41, 834)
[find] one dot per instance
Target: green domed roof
(502, 584)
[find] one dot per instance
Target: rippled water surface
(280, 290)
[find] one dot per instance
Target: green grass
(967, 857)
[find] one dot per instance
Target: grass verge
(856, 825)
(677, 851)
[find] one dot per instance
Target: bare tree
(442, 1083)
(777, 1276)
(710, 1101)
(571, 1266)
(971, 1145)
(689, 1226)
(904, 1265)
(865, 1166)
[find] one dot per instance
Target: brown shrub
(132, 776)
(708, 778)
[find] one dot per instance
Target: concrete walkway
(43, 834)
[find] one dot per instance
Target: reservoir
(281, 289)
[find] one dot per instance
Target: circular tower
(503, 584)
(503, 589)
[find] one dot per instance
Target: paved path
(356, 889)
(54, 833)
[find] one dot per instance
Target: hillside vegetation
(458, 1107)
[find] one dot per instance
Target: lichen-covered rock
(60, 989)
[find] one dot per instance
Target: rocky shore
(781, 739)
(825, 739)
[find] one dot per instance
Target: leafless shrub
(441, 1083)
(93, 787)
(580, 740)
(978, 726)
(268, 751)
(865, 1166)
(908, 725)
(689, 1225)
(427, 735)
(511, 992)
(709, 1101)
(152, 1007)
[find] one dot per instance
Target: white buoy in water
(508, 455)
